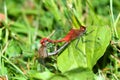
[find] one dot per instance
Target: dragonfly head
(43, 41)
(83, 29)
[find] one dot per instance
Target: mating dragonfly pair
(72, 34)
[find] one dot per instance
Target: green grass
(28, 21)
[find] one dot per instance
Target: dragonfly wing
(61, 48)
(43, 52)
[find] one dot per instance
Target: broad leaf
(80, 74)
(90, 48)
(39, 76)
(75, 74)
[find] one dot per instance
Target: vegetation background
(23, 23)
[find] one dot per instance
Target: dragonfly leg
(76, 46)
(86, 33)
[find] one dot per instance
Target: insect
(42, 55)
(43, 51)
(72, 34)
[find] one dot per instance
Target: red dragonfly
(43, 54)
(72, 34)
(43, 51)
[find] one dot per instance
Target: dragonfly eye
(82, 28)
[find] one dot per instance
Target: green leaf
(80, 74)
(37, 75)
(59, 76)
(90, 50)
(75, 74)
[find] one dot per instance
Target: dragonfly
(72, 34)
